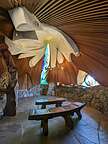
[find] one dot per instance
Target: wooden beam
(4, 14)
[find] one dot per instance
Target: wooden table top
(49, 100)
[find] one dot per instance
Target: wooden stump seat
(66, 111)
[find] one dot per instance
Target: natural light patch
(81, 76)
(89, 81)
(45, 66)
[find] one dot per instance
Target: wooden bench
(49, 100)
(65, 111)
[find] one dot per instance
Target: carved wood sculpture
(7, 78)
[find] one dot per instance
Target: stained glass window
(45, 65)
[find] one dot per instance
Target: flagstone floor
(91, 129)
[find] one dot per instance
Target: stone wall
(96, 97)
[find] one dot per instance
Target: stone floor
(91, 129)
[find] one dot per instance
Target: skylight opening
(89, 81)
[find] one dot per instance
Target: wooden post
(10, 109)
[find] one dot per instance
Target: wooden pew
(66, 112)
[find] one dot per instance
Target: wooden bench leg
(44, 125)
(41, 123)
(43, 106)
(68, 121)
(79, 114)
(58, 105)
